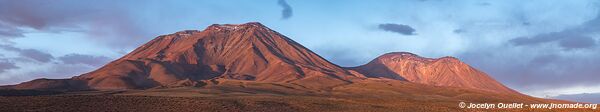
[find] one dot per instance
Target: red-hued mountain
(253, 52)
(249, 67)
(248, 51)
(445, 71)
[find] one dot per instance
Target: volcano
(445, 71)
(247, 51)
(253, 52)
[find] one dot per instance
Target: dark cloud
(6, 65)
(29, 53)
(584, 97)
(95, 61)
(570, 38)
(535, 68)
(7, 31)
(578, 42)
(39, 15)
(398, 28)
(484, 4)
(459, 31)
(286, 13)
(105, 22)
(36, 55)
(567, 40)
(544, 59)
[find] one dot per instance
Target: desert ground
(233, 96)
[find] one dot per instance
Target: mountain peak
(444, 71)
(397, 56)
(229, 27)
(401, 54)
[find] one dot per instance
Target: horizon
(539, 48)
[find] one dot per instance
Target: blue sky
(539, 47)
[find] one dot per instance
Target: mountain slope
(248, 51)
(445, 71)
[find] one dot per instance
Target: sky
(543, 48)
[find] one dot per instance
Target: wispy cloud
(7, 65)
(571, 38)
(30, 53)
(91, 60)
(7, 31)
(97, 19)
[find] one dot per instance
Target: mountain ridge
(250, 52)
(443, 71)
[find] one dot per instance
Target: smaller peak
(401, 53)
(402, 56)
(449, 58)
(415, 57)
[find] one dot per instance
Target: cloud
(43, 70)
(578, 42)
(484, 4)
(36, 55)
(397, 28)
(570, 38)
(537, 69)
(7, 31)
(567, 40)
(66, 66)
(30, 53)
(459, 31)
(583, 97)
(95, 61)
(104, 22)
(6, 65)
(39, 15)
(286, 13)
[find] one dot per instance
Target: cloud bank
(584, 97)
(29, 53)
(84, 59)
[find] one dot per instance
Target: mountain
(249, 67)
(247, 51)
(253, 52)
(445, 71)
